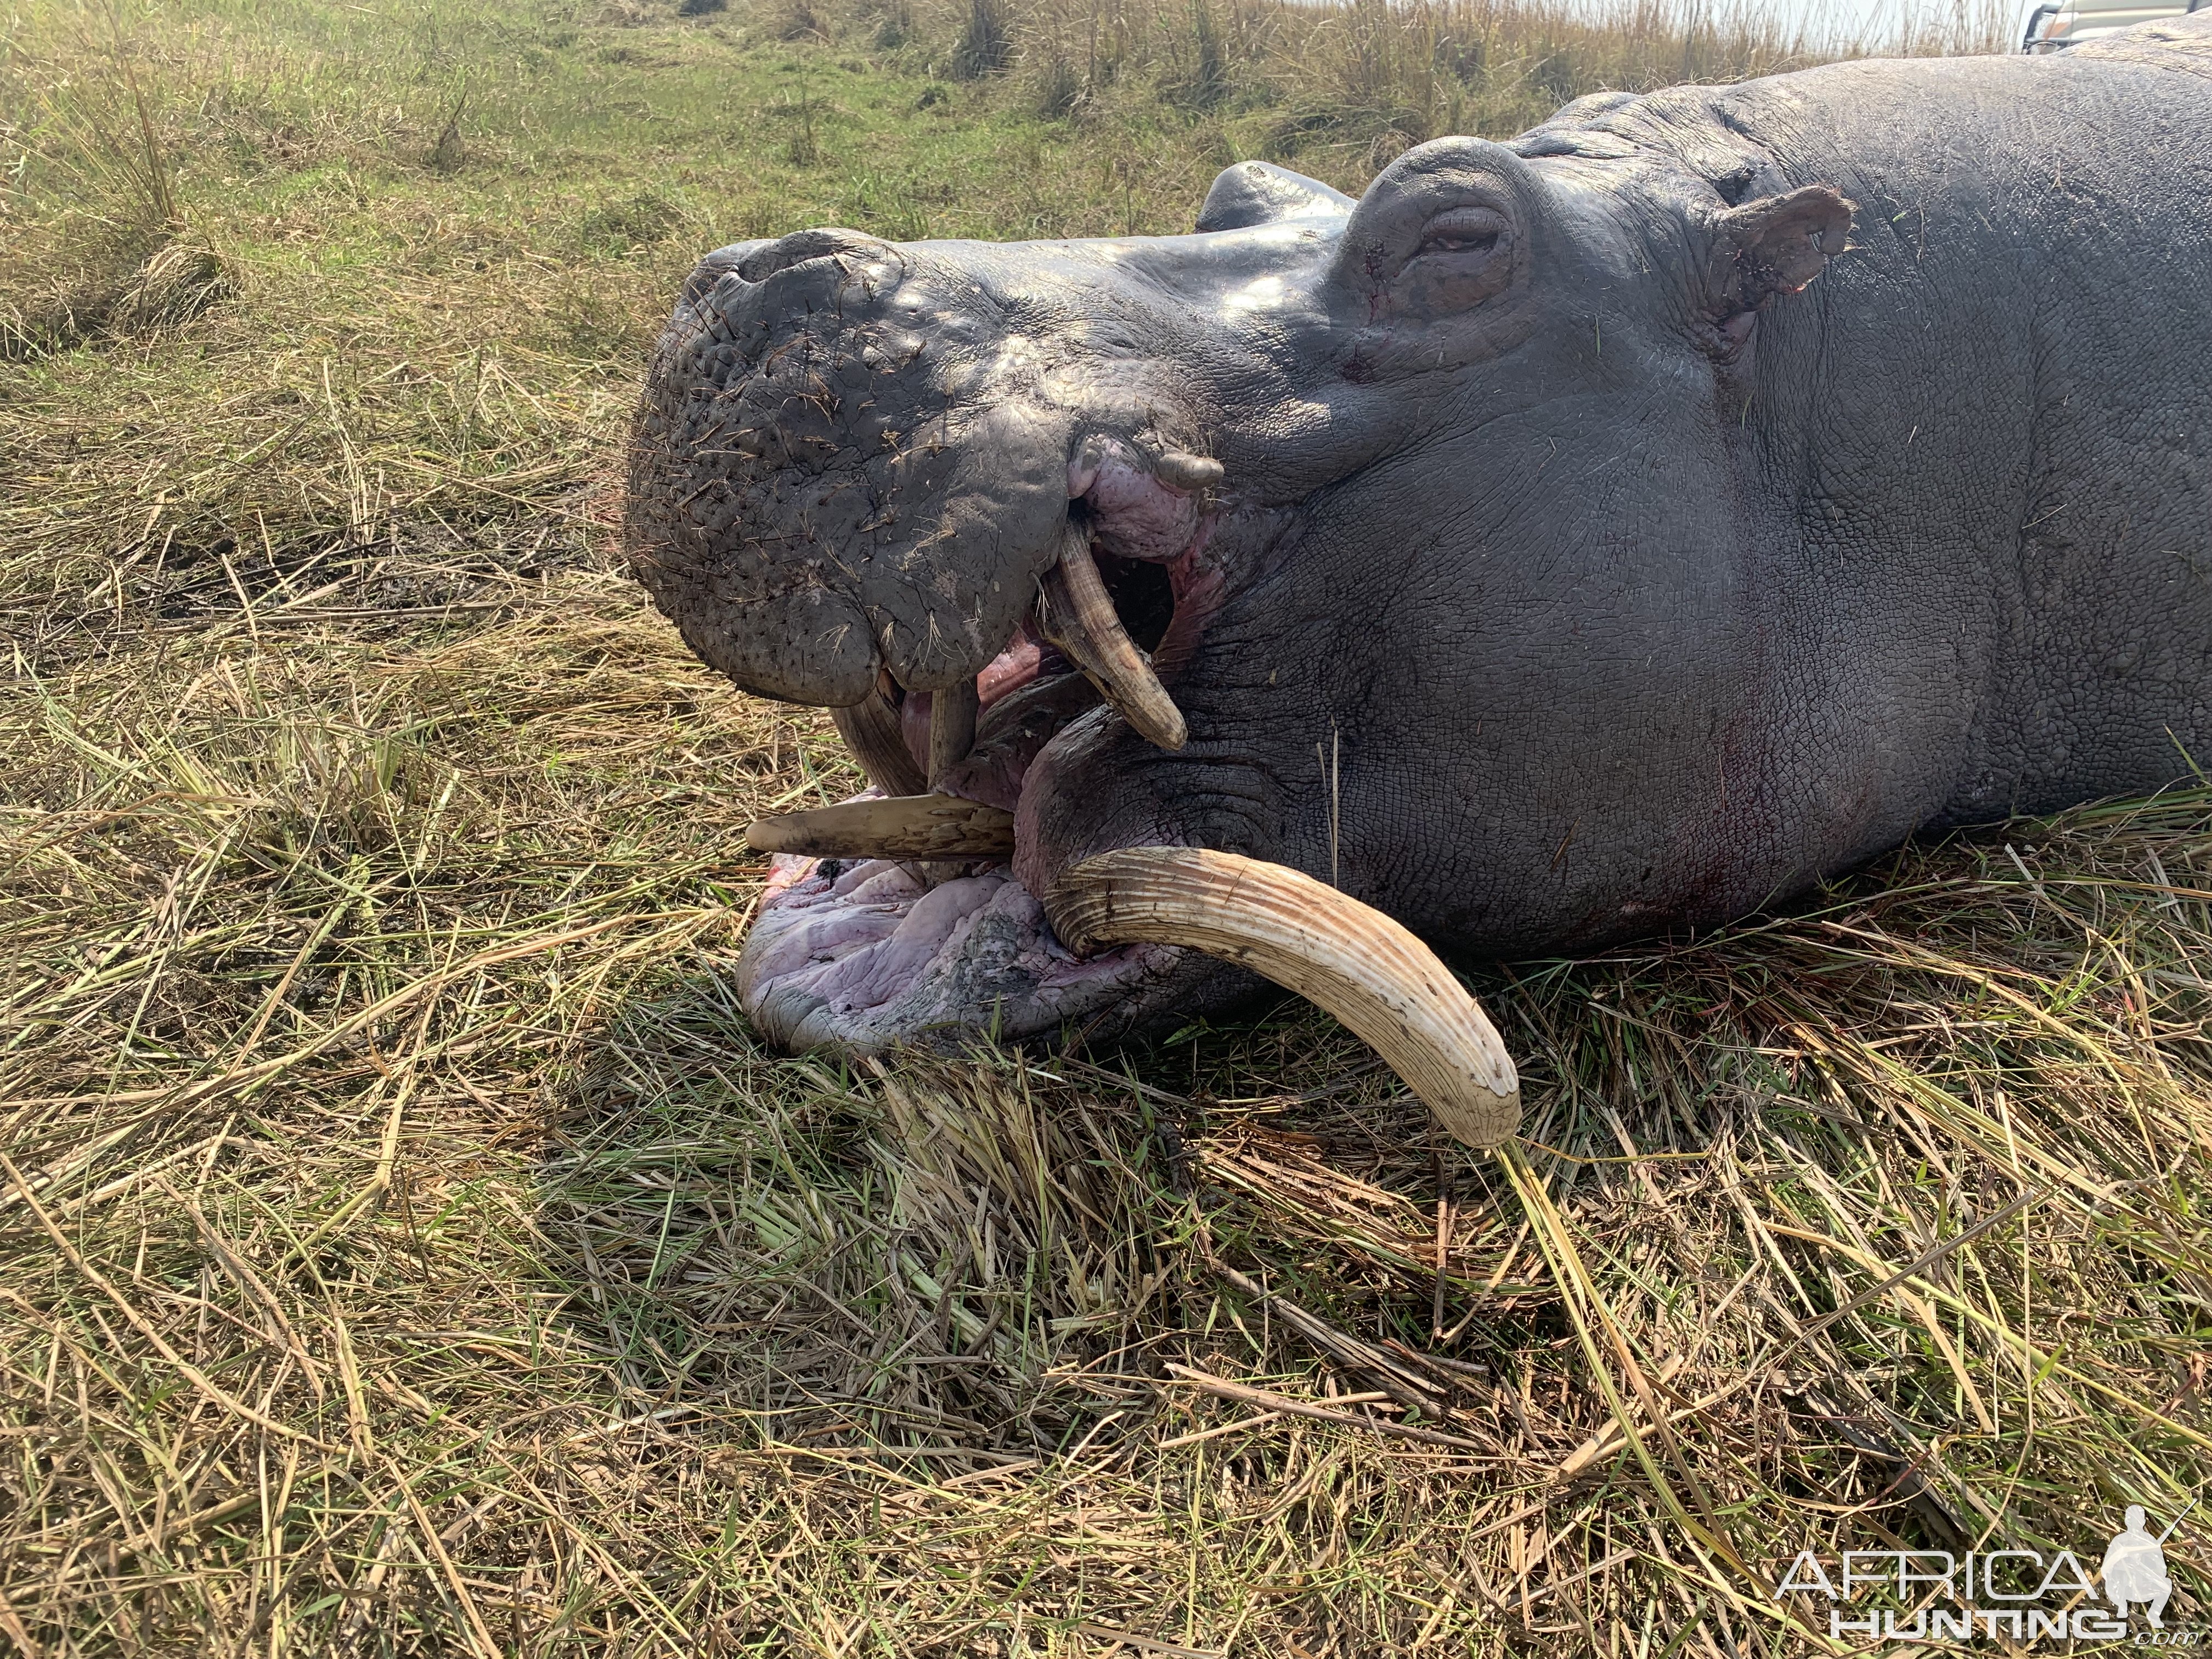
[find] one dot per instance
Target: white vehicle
(2057, 24)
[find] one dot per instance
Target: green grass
(404, 1245)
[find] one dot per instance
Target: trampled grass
(405, 1247)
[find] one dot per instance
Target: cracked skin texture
(1638, 583)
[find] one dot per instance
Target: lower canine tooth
(1354, 961)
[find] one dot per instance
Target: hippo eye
(1463, 230)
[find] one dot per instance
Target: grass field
(405, 1247)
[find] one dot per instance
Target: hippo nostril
(822, 243)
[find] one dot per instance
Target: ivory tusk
(1347, 957)
(902, 826)
(952, 715)
(871, 730)
(1076, 614)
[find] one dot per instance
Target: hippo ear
(1260, 193)
(1776, 245)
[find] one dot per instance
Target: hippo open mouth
(864, 950)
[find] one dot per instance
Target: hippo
(1602, 533)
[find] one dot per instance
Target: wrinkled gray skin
(1636, 583)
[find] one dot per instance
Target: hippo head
(1228, 540)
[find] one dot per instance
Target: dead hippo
(1531, 551)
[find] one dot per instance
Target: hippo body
(1579, 566)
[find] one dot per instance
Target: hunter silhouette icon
(2134, 1569)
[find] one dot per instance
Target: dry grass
(1341, 88)
(405, 1248)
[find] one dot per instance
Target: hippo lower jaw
(871, 955)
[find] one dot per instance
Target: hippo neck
(1955, 383)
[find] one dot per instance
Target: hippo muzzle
(857, 459)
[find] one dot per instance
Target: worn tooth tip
(1189, 471)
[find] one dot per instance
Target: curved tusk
(952, 715)
(1348, 957)
(871, 730)
(902, 826)
(1076, 613)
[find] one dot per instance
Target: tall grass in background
(1357, 81)
(1339, 86)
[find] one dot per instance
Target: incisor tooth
(1187, 472)
(952, 715)
(871, 730)
(902, 826)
